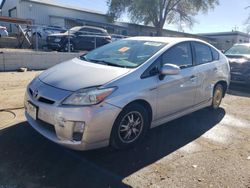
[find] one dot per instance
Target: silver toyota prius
(115, 93)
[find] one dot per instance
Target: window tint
(203, 53)
(91, 31)
(179, 55)
(215, 54)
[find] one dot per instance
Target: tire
(72, 47)
(217, 96)
(130, 126)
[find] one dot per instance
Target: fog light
(79, 127)
(78, 131)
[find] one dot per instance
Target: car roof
(244, 44)
(165, 39)
(92, 27)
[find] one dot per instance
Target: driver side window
(180, 55)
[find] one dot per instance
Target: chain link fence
(54, 38)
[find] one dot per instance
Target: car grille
(47, 126)
(42, 99)
(50, 39)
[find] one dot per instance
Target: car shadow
(159, 142)
(29, 160)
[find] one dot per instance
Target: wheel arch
(145, 104)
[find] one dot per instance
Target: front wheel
(217, 96)
(67, 45)
(130, 126)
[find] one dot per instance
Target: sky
(230, 14)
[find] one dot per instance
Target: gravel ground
(203, 149)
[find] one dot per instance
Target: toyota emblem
(35, 94)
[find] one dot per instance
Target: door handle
(193, 78)
(153, 88)
(215, 69)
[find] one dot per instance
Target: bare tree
(159, 12)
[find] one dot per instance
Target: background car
(3, 31)
(117, 37)
(239, 60)
(43, 31)
(80, 37)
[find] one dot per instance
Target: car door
(206, 68)
(86, 39)
(177, 93)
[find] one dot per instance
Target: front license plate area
(31, 110)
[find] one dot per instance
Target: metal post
(95, 41)
(68, 41)
(36, 42)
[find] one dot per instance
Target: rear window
(93, 31)
(216, 55)
(203, 53)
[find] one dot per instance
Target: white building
(50, 13)
(47, 12)
(225, 40)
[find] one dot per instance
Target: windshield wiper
(106, 63)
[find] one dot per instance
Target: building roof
(224, 34)
(3, 1)
(53, 3)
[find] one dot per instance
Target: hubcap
(67, 47)
(217, 97)
(130, 127)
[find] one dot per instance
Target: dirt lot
(203, 149)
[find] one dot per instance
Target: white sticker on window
(152, 43)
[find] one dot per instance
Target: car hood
(232, 56)
(76, 74)
(239, 59)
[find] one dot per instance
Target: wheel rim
(130, 127)
(217, 97)
(71, 47)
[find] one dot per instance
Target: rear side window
(179, 54)
(203, 53)
(92, 31)
(215, 54)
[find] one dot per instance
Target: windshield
(238, 50)
(124, 53)
(75, 29)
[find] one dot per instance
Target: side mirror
(169, 69)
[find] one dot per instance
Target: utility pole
(235, 28)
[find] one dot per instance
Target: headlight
(88, 96)
(57, 39)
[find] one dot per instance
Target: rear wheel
(130, 127)
(217, 96)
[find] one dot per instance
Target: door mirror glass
(169, 69)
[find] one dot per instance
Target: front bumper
(54, 46)
(98, 120)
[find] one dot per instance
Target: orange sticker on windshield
(124, 49)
